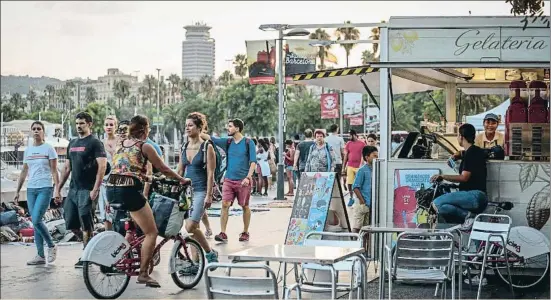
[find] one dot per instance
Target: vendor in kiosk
(490, 137)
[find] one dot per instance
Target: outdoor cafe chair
(422, 258)
(351, 265)
(486, 246)
(241, 287)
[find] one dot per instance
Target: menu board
(317, 194)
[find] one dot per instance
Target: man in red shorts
(241, 163)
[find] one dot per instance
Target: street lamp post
(158, 97)
(280, 98)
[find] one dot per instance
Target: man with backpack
(322, 156)
(240, 165)
(87, 162)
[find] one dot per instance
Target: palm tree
(121, 90)
(63, 96)
(142, 91)
(206, 83)
(186, 84)
(240, 63)
(50, 90)
(31, 99)
(41, 103)
(70, 85)
(347, 33)
(17, 102)
(367, 57)
(90, 95)
(375, 35)
(150, 83)
(322, 35)
(225, 78)
(175, 85)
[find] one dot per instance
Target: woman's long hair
(138, 126)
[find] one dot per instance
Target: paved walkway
(61, 280)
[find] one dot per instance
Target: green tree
(174, 85)
(347, 33)
(10, 111)
(41, 103)
(206, 84)
(150, 83)
(225, 78)
(526, 7)
(121, 90)
(142, 92)
(240, 65)
(98, 111)
(17, 101)
(63, 96)
(305, 112)
(31, 99)
(322, 35)
(367, 57)
(375, 36)
(50, 90)
(90, 95)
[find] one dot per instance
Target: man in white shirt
(337, 143)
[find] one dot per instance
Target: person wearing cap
(490, 137)
(321, 157)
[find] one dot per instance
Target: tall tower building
(198, 52)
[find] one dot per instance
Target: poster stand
(318, 205)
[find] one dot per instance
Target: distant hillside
(21, 84)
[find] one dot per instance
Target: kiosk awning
(349, 80)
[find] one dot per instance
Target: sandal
(150, 282)
(290, 194)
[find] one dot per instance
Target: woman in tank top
(125, 186)
(109, 143)
(200, 169)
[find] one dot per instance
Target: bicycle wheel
(190, 264)
(526, 272)
(106, 276)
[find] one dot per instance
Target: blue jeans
(454, 207)
(38, 201)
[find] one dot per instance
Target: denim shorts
(198, 206)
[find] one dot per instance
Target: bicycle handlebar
(167, 181)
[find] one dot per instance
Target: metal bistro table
(384, 228)
(327, 256)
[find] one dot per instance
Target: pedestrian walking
(110, 143)
(321, 157)
(86, 164)
(241, 163)
(40, 164)
(301, 153)
(352, 161)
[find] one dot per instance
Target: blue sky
(84, 39)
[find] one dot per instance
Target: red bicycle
(110, 259)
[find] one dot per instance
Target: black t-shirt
(304, 148)
(81, 154)
(474, 161)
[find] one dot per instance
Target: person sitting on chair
(471, 198)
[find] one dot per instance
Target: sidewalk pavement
(61, 280)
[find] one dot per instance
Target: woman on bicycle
(192, 166)
(40, 162)
(125, 186)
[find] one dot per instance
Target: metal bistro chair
(422, 258)
(488, 240)
(239, 287)
(351, 265)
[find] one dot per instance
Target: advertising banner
(406, 183)
(300, 57)
(261, 61)
(352, 104)
(356, 120)
(329, 106)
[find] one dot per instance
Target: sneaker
(52, 254)
(350, 202)
(212, 256)
(244, 237)
(79, 264)
(221, 237)
(208, 234)
(189, 269)
(37, 260)
(476, 280)
(265, 195)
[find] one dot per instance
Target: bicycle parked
(527, 248)
(116, 258)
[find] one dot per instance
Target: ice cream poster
(406, 183)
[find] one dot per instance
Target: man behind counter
(490, 137)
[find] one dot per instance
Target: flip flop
(149, 283)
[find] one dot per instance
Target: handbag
(170, 213)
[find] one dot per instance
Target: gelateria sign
(490, 44)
